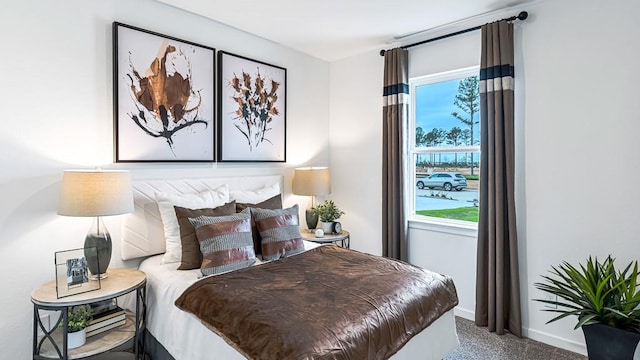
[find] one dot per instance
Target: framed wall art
(72, 273)
(252, 107)
(163, 97)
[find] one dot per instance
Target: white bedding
(185, 338)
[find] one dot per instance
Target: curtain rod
(522, 16)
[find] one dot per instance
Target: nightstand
(343, 238)
(54, 343)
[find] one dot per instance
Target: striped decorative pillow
(225, 242)
(191, 255)
(271, 203)
(279, 230)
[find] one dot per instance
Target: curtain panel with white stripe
(395, 112)
(497, 278)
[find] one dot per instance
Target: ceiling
(335, 29)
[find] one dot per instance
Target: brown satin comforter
(326, 303)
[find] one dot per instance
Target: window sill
(461, 228)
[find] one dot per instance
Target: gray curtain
(497, 280)
(394, 123)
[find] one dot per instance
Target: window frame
(413, 150)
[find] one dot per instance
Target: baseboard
(556, 341)
(536, 335)
(464, 313)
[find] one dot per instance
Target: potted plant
(77, 320)
(328, 212)
(604, 299)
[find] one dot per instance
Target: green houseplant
(78, 318)
(328, 212)
(604, 299)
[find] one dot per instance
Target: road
(424, 200)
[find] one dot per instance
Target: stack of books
(106, 316)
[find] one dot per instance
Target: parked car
(445, 180)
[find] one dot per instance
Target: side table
(53, 345)
(343, 238)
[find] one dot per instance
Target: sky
(434, 105)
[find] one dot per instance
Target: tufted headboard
(142, 231)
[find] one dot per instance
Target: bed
(174, 333)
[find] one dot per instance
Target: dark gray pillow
(271, 203)
(279, 230)
(225, 242)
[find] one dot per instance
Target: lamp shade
(95, 193)
(311, 181)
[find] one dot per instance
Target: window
(444, 150)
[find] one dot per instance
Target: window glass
(445, 149)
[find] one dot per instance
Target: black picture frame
(72, 273)
(163, 96)
(252, 110)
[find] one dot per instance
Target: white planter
(76, 339)
(327, 227)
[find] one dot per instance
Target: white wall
(56, 101)
(356, 147)
(577, 125)
(450, 251)
(580, 122)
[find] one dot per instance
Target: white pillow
(255, 196)
(166, 201)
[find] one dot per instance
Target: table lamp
(311, 181)
(96, 193)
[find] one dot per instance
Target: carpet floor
(478, 343)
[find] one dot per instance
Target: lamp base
(98, 238)
(312, 219)
(98, 277)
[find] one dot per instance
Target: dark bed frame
(153, 349)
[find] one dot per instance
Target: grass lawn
(462, 213)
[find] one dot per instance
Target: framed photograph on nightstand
(72, 273)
